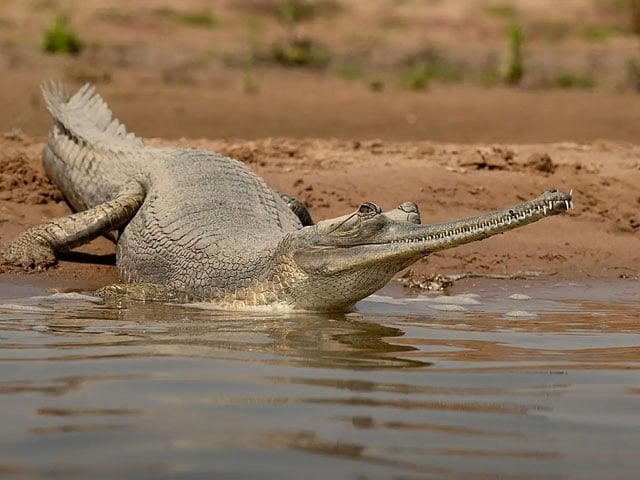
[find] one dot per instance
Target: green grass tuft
(60, 38)
(300, 52)
(416, 77)
(512, 69)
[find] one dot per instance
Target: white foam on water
(462, 299)
(521, 314)
(68, 296)
(448, 307)
(386, 299)
(519, 296)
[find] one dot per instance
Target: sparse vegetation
(416, 77)
(296, 50)
(297, 34)
(512, 69)
(428, 64)
(419, 75)
(59, 38)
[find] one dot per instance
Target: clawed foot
(31, 255)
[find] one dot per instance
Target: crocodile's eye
(368, 210)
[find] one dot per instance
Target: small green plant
(300, 52)
(573, 81)
(512, 69)
(59, 38)
(416, 77)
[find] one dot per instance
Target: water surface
(512, 379)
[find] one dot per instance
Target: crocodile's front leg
(37, 247)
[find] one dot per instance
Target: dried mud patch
(22, 181)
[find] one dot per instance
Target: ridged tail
(86, 119)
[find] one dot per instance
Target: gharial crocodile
(193, 224)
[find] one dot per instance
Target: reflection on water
(516, 380)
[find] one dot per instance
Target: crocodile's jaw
(335, 276)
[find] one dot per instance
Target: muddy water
(516, 380)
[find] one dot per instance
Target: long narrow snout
(400, 243)
(431, 238)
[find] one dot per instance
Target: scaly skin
(194, 225)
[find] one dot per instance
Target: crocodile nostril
(408, 207)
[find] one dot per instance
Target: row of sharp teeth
(568, 204)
